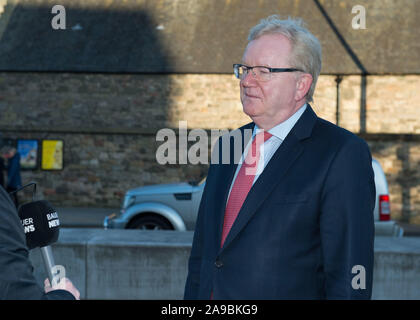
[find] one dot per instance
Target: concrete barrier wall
(132, 264)
(122, 264)
(397, 268)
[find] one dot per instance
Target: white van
(384, 226)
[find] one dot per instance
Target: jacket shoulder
(334, 134)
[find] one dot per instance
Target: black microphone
(41, 225)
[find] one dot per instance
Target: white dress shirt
(270, 146)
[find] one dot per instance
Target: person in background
(2, 168)
(14, 181)
(2, 165)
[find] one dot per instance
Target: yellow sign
(52, 155)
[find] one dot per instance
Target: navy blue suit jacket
(306, 222)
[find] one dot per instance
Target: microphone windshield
(40, 223)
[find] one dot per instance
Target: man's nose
(249, 79)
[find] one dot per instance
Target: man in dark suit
(17, 281)
(294, 218)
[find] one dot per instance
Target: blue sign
(28, 150)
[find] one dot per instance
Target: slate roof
(205, 36)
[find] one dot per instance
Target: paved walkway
(410, 230)
(78, 217)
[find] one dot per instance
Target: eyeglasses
(259, 73)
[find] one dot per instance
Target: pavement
(82, 217)
(410, 230)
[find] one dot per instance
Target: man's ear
(303, 85)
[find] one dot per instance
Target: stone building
(122, 70)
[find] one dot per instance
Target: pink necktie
(243, 183)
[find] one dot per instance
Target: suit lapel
(290, 149)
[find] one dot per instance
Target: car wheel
(150, 223)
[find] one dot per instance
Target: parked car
(382, 212)
(163, 206)
(175, 207)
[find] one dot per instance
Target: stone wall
(109, 125)
(99, 168)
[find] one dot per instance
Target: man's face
(8, 152)
(270, 102)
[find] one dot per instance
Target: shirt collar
(282, 129)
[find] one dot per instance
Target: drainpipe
(338, 79)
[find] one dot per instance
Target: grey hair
(306, 49)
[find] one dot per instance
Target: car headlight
(128, 201)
